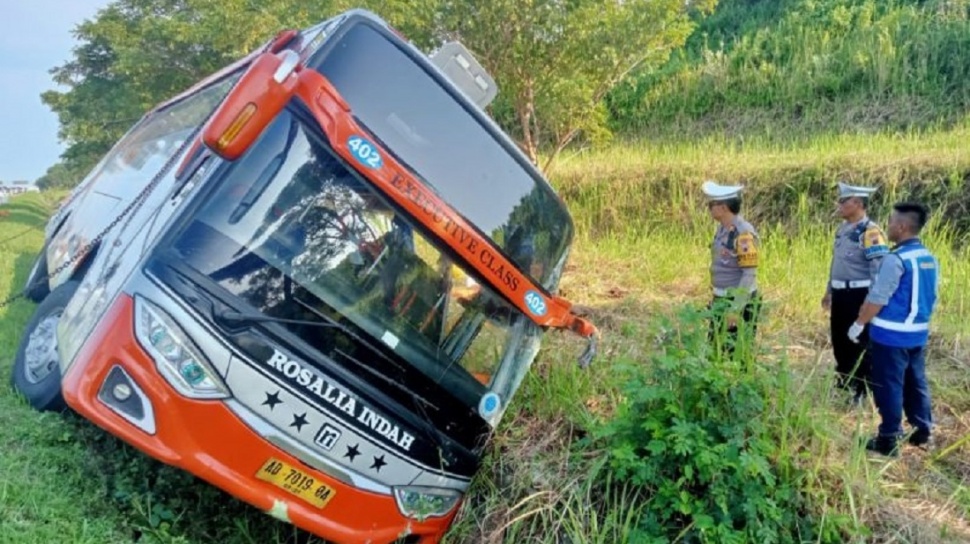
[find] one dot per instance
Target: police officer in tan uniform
(734, 270)
(859, 248)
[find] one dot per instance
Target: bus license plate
(297, 482)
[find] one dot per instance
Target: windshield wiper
(245, 317)
(430, 430)
(420, 403)
(232, 315)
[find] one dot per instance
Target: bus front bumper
(205, 438)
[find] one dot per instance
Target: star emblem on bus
(299, 420)
(352, 452)
(379, 463)
(272, 399)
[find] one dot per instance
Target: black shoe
(885, 445)
(921, 439)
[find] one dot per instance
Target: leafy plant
(697, 434)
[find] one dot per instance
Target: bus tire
(36, 368)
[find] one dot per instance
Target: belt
(852, 284)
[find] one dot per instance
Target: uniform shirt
(859, 247)
(887, 281)
(734, 256)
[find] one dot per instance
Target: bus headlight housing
(175, 355)
(421, 503)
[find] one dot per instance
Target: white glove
(855, 330)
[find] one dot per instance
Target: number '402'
(364, 151)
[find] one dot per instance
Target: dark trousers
(727, 340)
(852, 362)
(899, 385)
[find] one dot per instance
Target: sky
(35, 36)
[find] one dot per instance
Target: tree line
(554, 60)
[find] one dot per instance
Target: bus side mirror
(252, 104)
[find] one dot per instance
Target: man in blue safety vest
(898, 310)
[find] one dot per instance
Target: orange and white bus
(315, 280)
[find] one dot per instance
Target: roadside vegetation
(657, 441)
(794, 69)
(632, 437)
(630, 449)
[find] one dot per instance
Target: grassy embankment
(640, 256)
(772, 81)
(794, 69)
(643, 253)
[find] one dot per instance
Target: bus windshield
(449, 147)
(290, 229)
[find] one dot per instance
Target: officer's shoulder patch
(874, 242)
(746, 248)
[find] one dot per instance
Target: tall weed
(709, 442)
(797, 66)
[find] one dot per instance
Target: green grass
(797, 67)
(533, 487)
(641, 254)
(65, 481)
(794, 100)
(46, 473)
(631, 190)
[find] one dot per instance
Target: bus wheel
(36, 368)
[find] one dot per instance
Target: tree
(137, 53)
(555, 60)
(59, 176)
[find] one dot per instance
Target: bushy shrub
(698, 433)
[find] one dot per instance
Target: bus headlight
(421, 503)
(176, 357)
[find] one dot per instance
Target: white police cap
(715, 191)
(846, 190)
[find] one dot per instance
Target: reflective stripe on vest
(904, 320)
(911, 256)
(900, 327)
